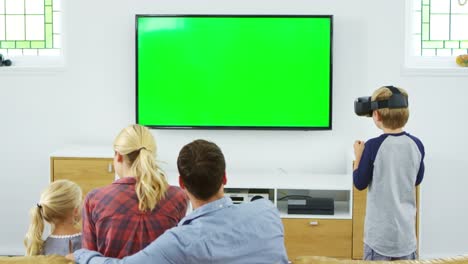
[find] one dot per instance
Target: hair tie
(39, 205)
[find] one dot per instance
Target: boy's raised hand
(358, 149)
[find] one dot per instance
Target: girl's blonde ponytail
(58, 201)
(33, 240)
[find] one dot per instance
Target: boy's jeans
(370, 254)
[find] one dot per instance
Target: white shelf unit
(335, 186)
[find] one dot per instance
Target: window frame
(414, 64)
(47, 63)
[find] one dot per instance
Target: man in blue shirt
(217, 231)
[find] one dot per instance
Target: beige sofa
(51, 259)
(324, 260)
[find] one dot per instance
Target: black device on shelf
(310, 205)
(4, 62)
(242, 195)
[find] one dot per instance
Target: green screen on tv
(252, 72)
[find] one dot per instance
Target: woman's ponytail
(151, 183)
(137, 145)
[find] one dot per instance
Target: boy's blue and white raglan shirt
(391, 166)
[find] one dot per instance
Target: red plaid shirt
(114, 226)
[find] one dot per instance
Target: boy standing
(391, 165)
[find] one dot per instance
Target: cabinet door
(89, 173)
(318, 237)
(359, 212)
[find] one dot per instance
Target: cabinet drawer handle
(313, 223)
(109, 168)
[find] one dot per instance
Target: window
(30, 28)
(437, 32)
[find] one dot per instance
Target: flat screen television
(234, 71)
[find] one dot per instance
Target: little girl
(60, 206)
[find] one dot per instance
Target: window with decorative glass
(438, 31)
(30, 28)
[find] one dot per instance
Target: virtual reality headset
(364, 106)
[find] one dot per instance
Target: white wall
(93, 98)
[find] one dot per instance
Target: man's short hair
(201, 167)
(391, 118)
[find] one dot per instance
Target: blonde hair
(138, 147)
(391, 118)
(57, 202)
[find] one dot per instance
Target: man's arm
(164, 250)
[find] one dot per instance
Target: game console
(310, 205)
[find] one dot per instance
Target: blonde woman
(59, 206)
(126, 216)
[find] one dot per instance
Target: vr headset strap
(393, 89)
(379, 104)
(385, 103)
